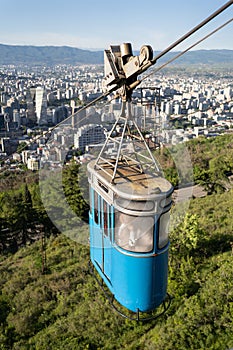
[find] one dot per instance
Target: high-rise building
(87, 135)
(41, 106)
(31, 101)
(16, 118)
(59, 114)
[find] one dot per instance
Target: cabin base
(124, 312)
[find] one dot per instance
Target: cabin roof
(129, 182)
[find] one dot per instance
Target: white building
(33, 164)
(228, 92)
(41, 105)
(87, 135)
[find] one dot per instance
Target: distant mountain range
(51, 55)
(47, 55)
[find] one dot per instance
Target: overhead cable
(186, 50)
(192, 31)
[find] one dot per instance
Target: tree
(73, 176)
(187, 237)
(21, 147)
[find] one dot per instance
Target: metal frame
(140, 161)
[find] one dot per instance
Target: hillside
(58, 304)
(65, 308)
(51, 55)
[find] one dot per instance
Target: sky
(90, 24)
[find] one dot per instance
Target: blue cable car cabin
(129, 222)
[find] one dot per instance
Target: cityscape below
(171, 107)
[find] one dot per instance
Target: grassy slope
(65, 308)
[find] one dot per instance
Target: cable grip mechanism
(122, 68)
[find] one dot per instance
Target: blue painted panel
(100, 239)
(139, 282)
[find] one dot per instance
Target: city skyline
(96, 25)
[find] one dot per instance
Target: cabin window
(105, 218)
(134, 233)
(165, 202)
(101, 185)
(96, 208)
(164, 223)
(90, 198)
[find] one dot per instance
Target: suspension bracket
(122, 68)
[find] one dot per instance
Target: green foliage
(21, 147)
(22, 209)
(215, 218)
(64, 307)
(73, 181)
(18, 218)
(211, 165)
(187, 237)
(172, 176)
(204, 320)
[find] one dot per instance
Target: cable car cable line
(184, 37)
(186, 50)
(155, 70)
(192, 31)
(152, 61)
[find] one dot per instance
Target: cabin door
(97, 244)
(106, 237)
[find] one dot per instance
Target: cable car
(130, 202)
(129, 235)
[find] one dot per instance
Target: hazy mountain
(50, 55)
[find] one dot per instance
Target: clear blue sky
(97, 24)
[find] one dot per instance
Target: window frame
(161, 246)
(151, 234)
